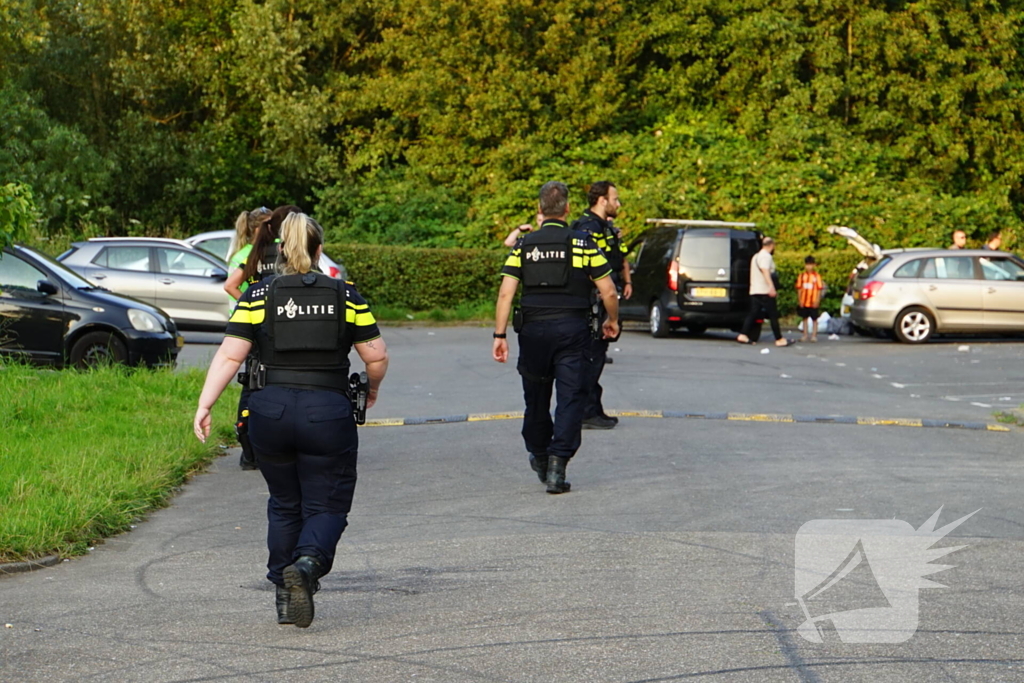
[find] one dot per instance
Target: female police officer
(301, 423)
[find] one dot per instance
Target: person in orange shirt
(809, 286)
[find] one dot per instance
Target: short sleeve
(358, 314)
(514, 262)
(249, 312)
(594, 262)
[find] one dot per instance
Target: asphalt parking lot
(671, 559)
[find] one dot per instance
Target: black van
(692, 274)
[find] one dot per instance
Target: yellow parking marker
(759, 417)
(997, 428)
(386, 422)
(483, 417)
(896, 422)
(636, 413)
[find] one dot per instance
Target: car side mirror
(219, 275)
(46, 287)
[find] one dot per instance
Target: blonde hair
(301, 236)
(245, 228)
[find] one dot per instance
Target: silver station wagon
(920, 292)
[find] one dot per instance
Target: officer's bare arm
(374, 354)
(502, 309)
(610, 298)
(232, 284)
(222, 370)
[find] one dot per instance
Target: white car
(218, 242)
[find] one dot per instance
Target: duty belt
(331, 380)
(581, 313)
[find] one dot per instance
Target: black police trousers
(305, 443)
(553, 354)
(598, 351)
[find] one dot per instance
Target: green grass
(85, 454)
(464, 312)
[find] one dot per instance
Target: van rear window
(704, 249)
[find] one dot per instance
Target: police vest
(268, 264)
(606, 238)
(548, 278)
(307, 338)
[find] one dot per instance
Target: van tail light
(871, 289)
(673, 276)
(334, 272)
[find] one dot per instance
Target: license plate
(180, 341)
(709, 292)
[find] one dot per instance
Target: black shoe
(556, 475)
(539, 463)
(599, 422)
(301, 581)
(247, 463)
(284, 598)
(609, 417)
(608, 360)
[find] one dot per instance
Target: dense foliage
(432, 122)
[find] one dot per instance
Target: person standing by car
(959, 240)
(994, 242)
(246, 225)
(303, 432)
(558, 269)
(763, 293)
(596, 221)
(250, 266)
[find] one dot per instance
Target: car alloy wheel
(658, 327)
(914, 326)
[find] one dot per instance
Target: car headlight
(144, 322)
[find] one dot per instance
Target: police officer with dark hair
(258, 262)
(558, 269)
(301, 425)
(596, 221)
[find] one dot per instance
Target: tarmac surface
(671, 559)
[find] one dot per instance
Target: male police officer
(558, 269)
(603, 197)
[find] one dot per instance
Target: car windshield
(69, 276)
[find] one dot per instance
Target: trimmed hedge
(424, 278)
(421, 278)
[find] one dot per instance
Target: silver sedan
(186, 282)
(218, 243)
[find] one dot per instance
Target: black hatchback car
(692, 274)
(51, 316)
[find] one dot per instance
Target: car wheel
(659, 328)
(697, 329)
(914, 326)
(98, 348)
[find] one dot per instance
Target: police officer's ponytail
(246, 225)
(301, 236)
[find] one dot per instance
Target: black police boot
(609, 417)
(301, 581)
(599, 422)
(539, 463)
(608, 360)
(556, 474)
(284, 597)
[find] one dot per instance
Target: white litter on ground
(764, 351)
(963, 348)
(897, 385)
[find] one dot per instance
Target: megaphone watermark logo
(863, 576)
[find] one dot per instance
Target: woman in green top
(241, 244)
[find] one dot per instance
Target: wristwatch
(503, 335)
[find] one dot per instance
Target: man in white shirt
(762, 294)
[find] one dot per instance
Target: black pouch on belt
(517, 319)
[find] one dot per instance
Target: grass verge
(85, 454)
